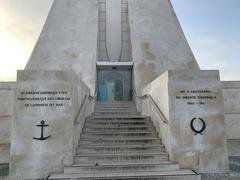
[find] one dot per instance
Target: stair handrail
(82, 107)
(94, 96)
(153, 102)
(47, 177)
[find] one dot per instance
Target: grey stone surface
(233, 147)
(6, 98)
(5, 130)
(6, 110)
(113, 29)
(32, 158)
(158, 42)
(231, 100)
(5, 153)
(8, 85)
(231, 94)
(231, 84)
(125, 46)
(232, 125)
(69, 40)
(174, 89)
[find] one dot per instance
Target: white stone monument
(141, 41)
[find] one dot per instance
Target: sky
(212, 28)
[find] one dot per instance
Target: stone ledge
(231, 84)
(7, 85)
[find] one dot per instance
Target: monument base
(45, 107)
(193, 105)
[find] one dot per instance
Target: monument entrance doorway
(114, 83)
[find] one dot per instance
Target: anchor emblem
(42, 125)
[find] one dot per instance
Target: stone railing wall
(7, 90)
(231, 95)
(54, 96)
(192, 103)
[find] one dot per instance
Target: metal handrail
(83, 106)
(81, 109)
(163, 117)
(95, 94)
(137, 96)
(47, 177)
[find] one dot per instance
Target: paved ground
(220, 177)
(234, 164)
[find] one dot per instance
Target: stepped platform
(119, 143)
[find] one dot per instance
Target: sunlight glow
(12, 56)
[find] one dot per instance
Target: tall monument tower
(80, 33)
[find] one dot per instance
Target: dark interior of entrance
(114, 84)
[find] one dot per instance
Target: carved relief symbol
(42, 125)
(200, 131)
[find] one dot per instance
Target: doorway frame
(115, 65)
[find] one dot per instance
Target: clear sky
(212, 28)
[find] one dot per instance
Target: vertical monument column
(193, 104)
(113, 29)
(42, 139)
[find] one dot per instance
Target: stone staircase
(119, 143)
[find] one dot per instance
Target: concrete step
(115, 108)
(116, 112)
(117, 123)
(114, 141)
(117, 163)
(117, 129)
(108, 112)
(115, 103)
(112, 107)
(123, 117)
(129, 109)
(119, 109)
(118, 106)
(121, 168)
(144, 175)
(120, 149)
(119, 134)
(124, 112)
(117, 120)
(120, 157)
